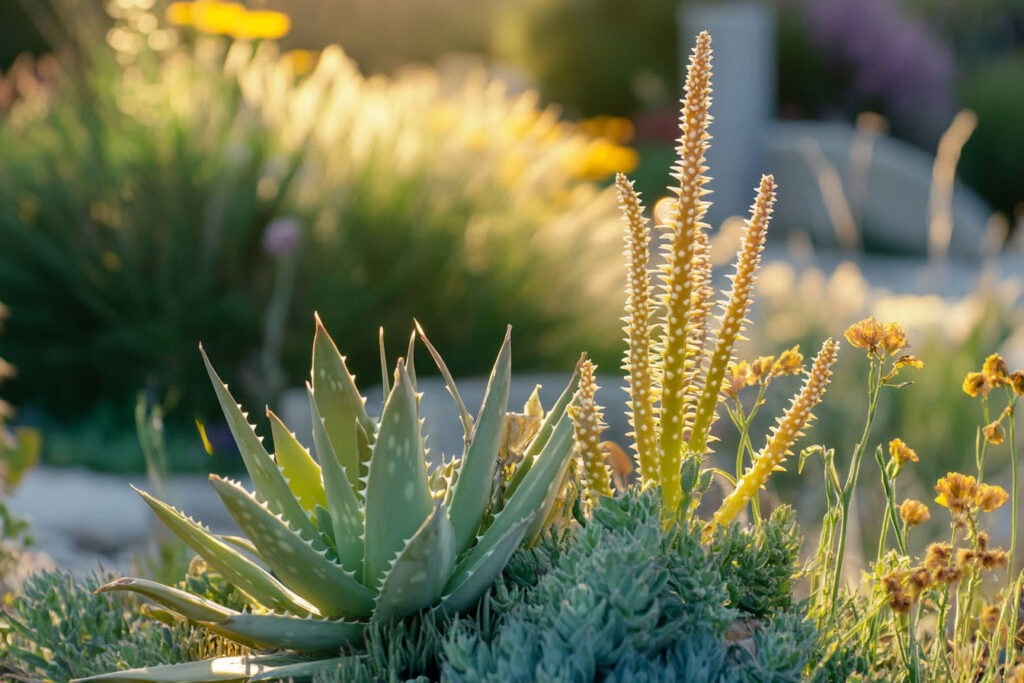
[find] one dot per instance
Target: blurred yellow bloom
(990, 617)
(181, 13)
(956, 492)
(300, 61)
(601, 158)
(901, 452)
(266, 24)
(990, 498)
(615, 128)
(995, 371)
(790, 362)
(866, 334)
(1017, 381)
(761, 368)
(994, 433)
(914, 512)
(975, 385)
(664, 210)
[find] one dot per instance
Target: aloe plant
(364, 531)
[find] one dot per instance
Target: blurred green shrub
(134, 205)
(594, 56)
(992, 161)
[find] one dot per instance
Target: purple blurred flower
(281, 238)
(894, 57)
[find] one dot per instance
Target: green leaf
(537, 492)
(303, 568)
(546, 428)
(266, 475)
(421, 570)
(298, 467)
(467, 419)
(342, 505)
(187, 605)
(291, 633)
(299, 670)
(477, 575)
(338, 401)
(243, 573)
(397, 493)
(206, 671)
(476, 470)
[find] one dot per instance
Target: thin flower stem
(1014, 514)
(874, 385)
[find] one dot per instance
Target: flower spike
(785, 433)
(586, 419)
(685, 228)
(637, 362)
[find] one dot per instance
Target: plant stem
(1014, 514)
(874, 384)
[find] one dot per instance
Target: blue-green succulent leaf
(529, 500)
(476, 576)
(300, 566)
(266, 475)
(467, 419)
(421, 570)
(397, 492)
(342, 504)
(290, 633)
(475, 472)
(207, 671)
(243, 573)
(338, 401)
(299, 670)
(297, 465)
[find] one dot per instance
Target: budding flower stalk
(637, 362)
(785, 433)
(586, 419)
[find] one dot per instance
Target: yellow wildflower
(994, 433)
(975, 385)
(790, 362)
(866, 334)
(914, 512)
(937, 555)
(1017, 381)
(990, 498)
(956, 492)
(901, 452)
(995, 371)
(737, 377)
(894, 339)
(761, 368)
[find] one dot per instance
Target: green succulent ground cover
(619, 599)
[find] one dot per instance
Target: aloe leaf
(187, 605)
(266, 476)
(467, 419)
(342, 504)
(240, 542)
(477, 575)
(475, 472)
(326, 526)
(365, 447)
(243, 573)
(383, 364)
(421, 570)
(300, 566)
(532, 495)
(410, 359)
(290, 633)
(546, 428)
(206, 671)
(397, 492)
(299, 670)
(297, 465)
(338, 401)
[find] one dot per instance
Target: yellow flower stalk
(735, 311)
(637, 362)
(586, 418)
(687, 237)
(785, 433)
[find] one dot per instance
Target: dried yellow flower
(994, 433)
(993, 559)
(990, 498)
(1017, 381)
(761, 368)
(937, 555)
(995, 371)
(990, 617)
(894, 339)
(737, 377)
(919, 579)
(956, 492)
(866, 334)
(901, 452)
(907, 360)
(914, 512)
(899, 599)
(790, 362)
(975, 385)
